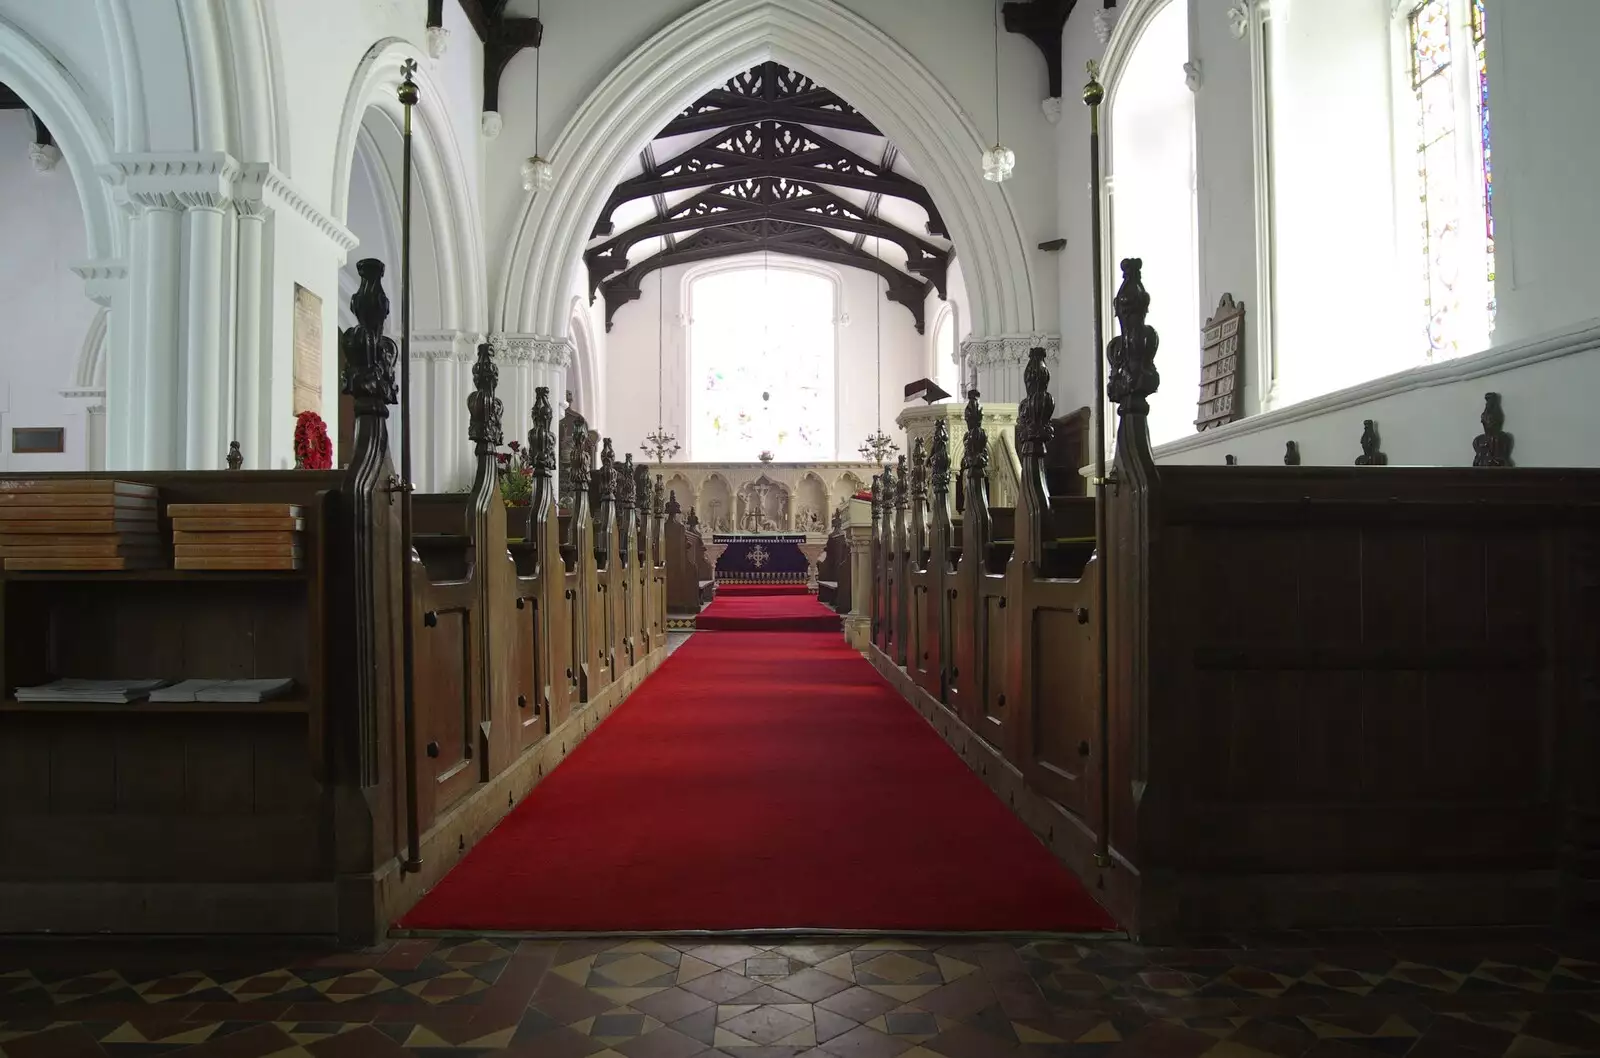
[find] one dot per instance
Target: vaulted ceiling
(770, 162)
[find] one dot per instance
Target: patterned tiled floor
(1427, 995)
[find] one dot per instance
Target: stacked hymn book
(79, 524)
(252, 536)
(125, 691)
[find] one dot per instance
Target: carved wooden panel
(447, 718)
(1222, 366)
(531, 713)
(1063, 706)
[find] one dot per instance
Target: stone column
(152, 429)
(998, 361)
(208, 333)
(250, 358)
(106, 284)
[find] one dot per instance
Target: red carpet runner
(766, 612)
(761, 781)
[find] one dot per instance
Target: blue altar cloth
(761, 558)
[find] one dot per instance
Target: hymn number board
(1221, 366)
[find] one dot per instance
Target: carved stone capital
(263, 183)
(102, 280)
(1009, 348)
(1193, 76)
(490, 124)
(44, 156)
(1052, 109)
(444, 345)
(176, 181)
(534, 348)
(1105, 21)
(438, 41)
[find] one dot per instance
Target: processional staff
(413, 862)
(1093, 95)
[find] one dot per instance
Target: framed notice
(307, 351)
(1221, 366)
(38, 440)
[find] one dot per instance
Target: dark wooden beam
(773, 237)
(1042, 21)
(476, 14)
(435, 13)
(9, 100)
(507, 37)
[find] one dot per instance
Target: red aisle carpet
(761, 781)
(763, 612)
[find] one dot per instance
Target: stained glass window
(1452, 257)
(762, 374)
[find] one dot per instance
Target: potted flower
(516, 475)
(312, 449)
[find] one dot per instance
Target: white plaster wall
(585, 39)
(631, 364)
(42, 301)
(1339, 281)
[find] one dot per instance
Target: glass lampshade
(537, 174)
(998, 162)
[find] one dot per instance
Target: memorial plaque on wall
(307, 351)
(1221, 366)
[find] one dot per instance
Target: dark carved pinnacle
(641, 485)
(1291, 454)
(235, 457)
(367, 356)
(608, 471)
(625, 481)
(877, 495)
(1034, 429)
(1492, 448)
(887, 497)
(1132, 354)
(1370, 456)
(919, 470)
(902, 484)
(975, 447)
(578, 469)
(939, 460)
(485, 411)
(693, 521)
(674, 508)
(658, 497)
(541, 440)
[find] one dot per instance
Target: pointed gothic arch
(701, 50)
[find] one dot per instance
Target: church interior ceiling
(770, 162)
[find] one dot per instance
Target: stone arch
(701, 50)
(439, 170)
(85, 144)
(583, 373)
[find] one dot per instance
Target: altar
(761, 558)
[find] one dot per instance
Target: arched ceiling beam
(769, 198)
(768, 92)
(768, 148)
(1042, 21)
(779, 237)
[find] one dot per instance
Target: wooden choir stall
(1352, 696)
(331, 809)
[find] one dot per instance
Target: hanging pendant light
(537, 172)
(660, 445)
(998, 161)
(879, 447)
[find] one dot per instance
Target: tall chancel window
(762, 365)
(1447, 114)
(1153, 208)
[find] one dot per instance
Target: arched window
(762, 353)
(1153, 214)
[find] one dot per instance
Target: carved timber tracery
(766, 180)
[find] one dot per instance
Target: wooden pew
(1358, 696)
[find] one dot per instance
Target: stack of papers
(223, 690)
(73, 690)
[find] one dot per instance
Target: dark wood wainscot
(1335, 696)
(330, 811)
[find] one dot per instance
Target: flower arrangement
(312, 449)
(516, 475)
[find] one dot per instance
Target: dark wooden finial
(889, 486)
(641, 486)
(838, 519)
(1132, 354)
(625, 480)
(674, 508)
(919, 470)
(368, 358)
(693, 521)
(658, 497)
(485, 411)
(1034, 428)
(1291, 454)
(235, 457)
(1492, 448)
(541, 440)
(1370, 455)
(939, 460)
(902, 484)
(975, 446)
(877, 495)
(607, 474)
(1229, 460)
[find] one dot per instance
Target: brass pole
(408, 648)
(1093, 95)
